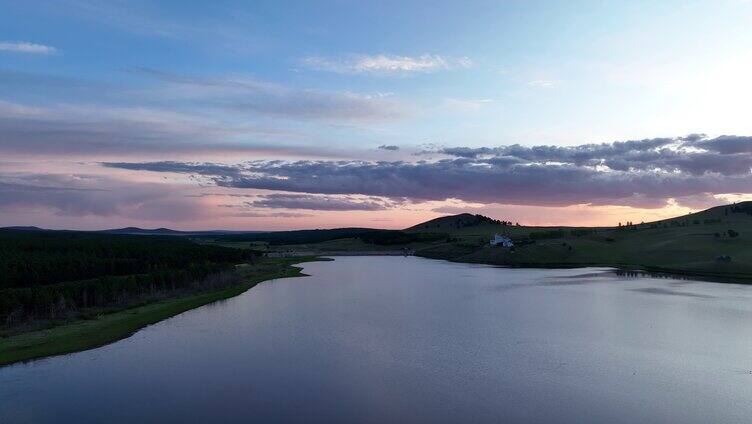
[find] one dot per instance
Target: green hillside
(716, 243)
(452, 223)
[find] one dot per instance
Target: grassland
(87, 334)
(694, 244)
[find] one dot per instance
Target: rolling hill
(453, 222)
(716, 243)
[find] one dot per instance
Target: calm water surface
(393, 339)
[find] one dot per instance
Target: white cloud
(245, 95)
(387, 64)
(542, 83)
(26, 47)
(14, 110)
(465, 104)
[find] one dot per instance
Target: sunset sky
(269, 115)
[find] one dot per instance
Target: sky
(270, 115)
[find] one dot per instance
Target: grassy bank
(558, 255)
(87, 334)
(692, 250)
(714, 244)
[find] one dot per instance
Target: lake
(406, 339)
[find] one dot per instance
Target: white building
(503, 241)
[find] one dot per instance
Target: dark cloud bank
(319, 203)
(389, 147)
(642, 173)
(91, 195)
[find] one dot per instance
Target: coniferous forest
(48, 275)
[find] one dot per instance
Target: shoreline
(84, 334)
(324, 253)
(644, 269)
(714, 277)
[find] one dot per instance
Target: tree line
(53, 275)
(48, 257)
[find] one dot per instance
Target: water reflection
(395, 339)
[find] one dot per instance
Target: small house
(503, 241)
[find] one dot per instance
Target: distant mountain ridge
(139, 231)
(447, 223)
(23, 228)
